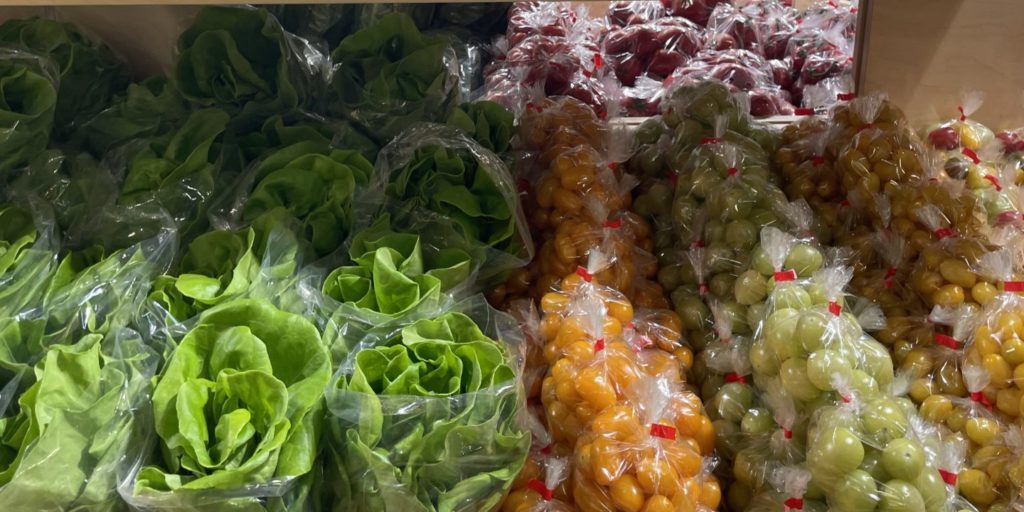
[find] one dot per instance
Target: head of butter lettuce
(424, 421)
(237, 411)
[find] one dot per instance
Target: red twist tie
(540, 110)
(613, 224)
(969, 153)
(599, 345)
(963, 117)
(735, 377)
(846, 96)
(846, 398)
(785, 275)
(529, 106)
(980, 397)
(702, 288)
(663, 431)
(804, 111)
(523, 186)
(947, 341)
(582, 272)
(545, 493)
(794, 504)
(944, 233)
(889, 275)
(867, 126)
(1013, 286)
(546, 450)
(710, 140)
(787, 433)
(994, 181)
(834, 308)
(598, 61)
(948, 476)
(644, 343)
(732, 171)
(844, 202)
(696, 244)
(1009, 217)
(602, 115)
(613, 165)
(818, 161)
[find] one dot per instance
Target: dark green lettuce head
(237, 59)
(313, 183)
(28, 97)
(147, 109)
(389, 75)
(90, 74)
(425, 421)
(238, 409)
(486, 122)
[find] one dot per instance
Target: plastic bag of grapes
(871, 450)
(935, 366)
(946, 273)
(639, 453)
(772, 435)
(875, 146)
(787, 492)
(542, 486)
(960, 131)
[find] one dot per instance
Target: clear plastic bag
(465, 444)
(947, 272)
(80, 425)
(31, 102)
(652, 49)
(287, 366)
(546, 488)
(436, 174)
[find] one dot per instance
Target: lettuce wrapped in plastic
(28, 98)
(435, 173)
(90, 74)
(237, 59)
(218, 266)
(237, 411)
(313, 183)
(26, 259)
(149, 108)
(425, 421)
(486, 122)
(177, 169)
(64, 444)
(389, 75)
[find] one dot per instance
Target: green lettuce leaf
(313, 183)
(25, 260)
(425, 421)
(90, 74)
(77, 426)
(28, 98)
(218, 266)
(149, 108)
(177, 169)
(486, 122)
(238, 408)
(454, 184)
(389, 76)
(236, 59)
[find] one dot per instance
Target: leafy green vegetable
(150, 108)
(25, 260)
(90, 74)
(177, 169)
(425, 421)
(28, 98)
(236, 59)
(393, 272)
(237, 409)
(448, 179)
(218, 266)
(486, 122)
(389, 76)
(76, 426)
(314, 184)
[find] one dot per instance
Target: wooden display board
(924, 53)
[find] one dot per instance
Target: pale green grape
(884, 420)
(693, 312)
(741, 235)
(763, 360)
(721, 285)
(733, 401)
(900, 496)
(903, 459)
(810, 330)
(757, 421)
(793, 374)
(760, 262)
(791, 296)
(856, 492)
(823, 364)
(804, 259)
(780, 333)
(750, 288)
(932, 488)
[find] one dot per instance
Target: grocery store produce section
(414, 258)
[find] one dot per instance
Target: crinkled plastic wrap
(653, 49)
(542, 486)
(742, 70)
(30, 99)
(255, 366)
(79, 426)
(408, 427)
(435, 175)
(384, 92)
